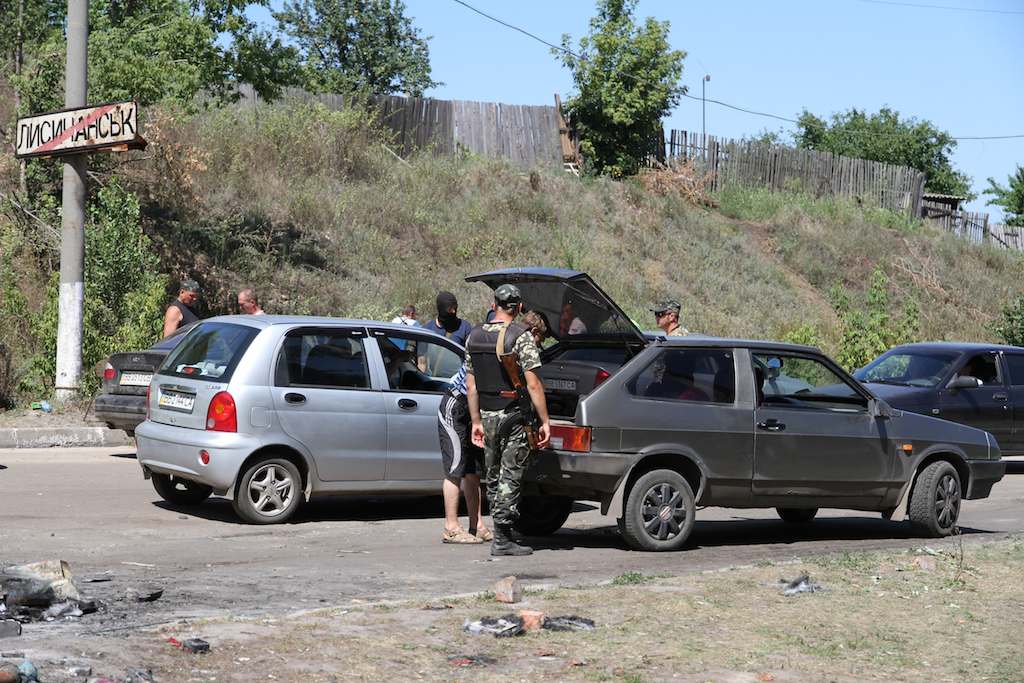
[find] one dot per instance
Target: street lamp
(703, 107)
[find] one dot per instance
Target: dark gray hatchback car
(671, 423)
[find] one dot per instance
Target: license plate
(135, 379)
(177, 401)
(566, 384)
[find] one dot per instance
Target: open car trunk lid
(595, 337)
(554, 292)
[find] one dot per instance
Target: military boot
(503, 543)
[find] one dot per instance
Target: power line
(956, 9)
(682, 91)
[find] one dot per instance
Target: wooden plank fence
(523, 133)
(743, 163)
(973, 227)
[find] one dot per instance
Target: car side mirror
(963, 382)
(879, 408)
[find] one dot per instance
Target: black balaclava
(449, 321)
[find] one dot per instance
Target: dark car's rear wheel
(542, 515)
(178, 491)
(935, 500)
(659, 511)
(269, 491)
(796, 515)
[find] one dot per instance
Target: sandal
(483, 533)
(459, 536)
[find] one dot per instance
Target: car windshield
(910, 367)
(210, 351)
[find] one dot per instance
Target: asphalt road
(92, 508)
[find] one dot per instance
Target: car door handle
(407, 403)
(1000, 396)
(297, 399)
(771, 425)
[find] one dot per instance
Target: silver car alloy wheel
(271, 489)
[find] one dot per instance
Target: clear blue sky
(956, 63)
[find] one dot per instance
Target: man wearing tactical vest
(498, 424)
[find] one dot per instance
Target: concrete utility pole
(72, 229)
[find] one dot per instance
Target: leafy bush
(1009, 324)
(868, 333)
(124, 293)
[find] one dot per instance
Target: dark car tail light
(221, 415)
(108, 371)
(575, 439)
(601, 376)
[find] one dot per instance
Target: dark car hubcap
(947, 501)
(663, 511)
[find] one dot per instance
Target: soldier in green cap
(492, 399)
(666, 317)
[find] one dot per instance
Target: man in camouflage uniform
(488, 390)
(666, 317)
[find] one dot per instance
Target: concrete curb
(46, 437)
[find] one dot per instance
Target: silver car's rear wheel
(269, 491)
(935, 500)
(178, 491)
(659, 511)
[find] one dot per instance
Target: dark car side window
(705, 375)
(1015, 366)
(799, 382)
(322, 359)
(983, 366)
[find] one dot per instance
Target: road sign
(75, 131)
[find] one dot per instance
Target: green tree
(907, 142)
(625, 78)
(1009, 324)
(1011, 198)
(357, 46)
(865, 334)
(125, 296)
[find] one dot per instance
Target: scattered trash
(80, 671)
(500, 627)
(802, 584)
(508, 590)
(68, 608)
(577, 662)
(139, 675)
(926, 562)
(9, 673)
(41, 405)
(436, 607)
(38, 584)
(196, 646)
(28, 671)
(9, 628)
(172, 641)
(134, 595)
(764, 677)
(569, 622)
(470, 660)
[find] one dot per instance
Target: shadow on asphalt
(738, 531)
(749, 532)
(127, 456)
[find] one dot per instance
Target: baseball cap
(666, 305)
(190, 286)
(507, 295)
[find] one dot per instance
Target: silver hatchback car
(273, 410)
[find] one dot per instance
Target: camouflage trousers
(504, 465)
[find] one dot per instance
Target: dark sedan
(699, 421)
(126, 376)
(981, 385)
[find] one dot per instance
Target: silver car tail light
(221, 415)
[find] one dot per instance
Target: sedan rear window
(210, 351)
